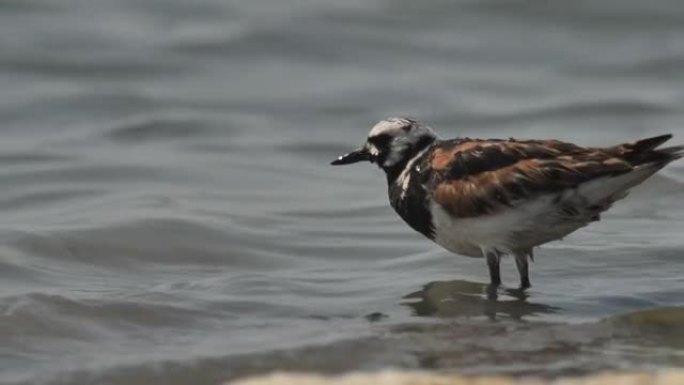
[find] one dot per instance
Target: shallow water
(168, 214)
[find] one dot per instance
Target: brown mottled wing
(476, 177)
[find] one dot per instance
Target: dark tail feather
(648, 143)
(646, 151)
(674, 152)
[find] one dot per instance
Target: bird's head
(391, 143)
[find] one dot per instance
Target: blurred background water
(168, 215)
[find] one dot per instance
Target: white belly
(511, 231)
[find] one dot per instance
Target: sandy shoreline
(674, 377)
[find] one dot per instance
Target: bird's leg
(493, 258)
(521, 262)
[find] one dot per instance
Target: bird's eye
(380, 141)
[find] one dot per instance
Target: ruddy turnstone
(494, 197)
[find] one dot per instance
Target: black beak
(352, 157)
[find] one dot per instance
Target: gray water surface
(168, 214)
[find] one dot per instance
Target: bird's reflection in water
(469, 299)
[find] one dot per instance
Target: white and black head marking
(391, 143)
(393, 140)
